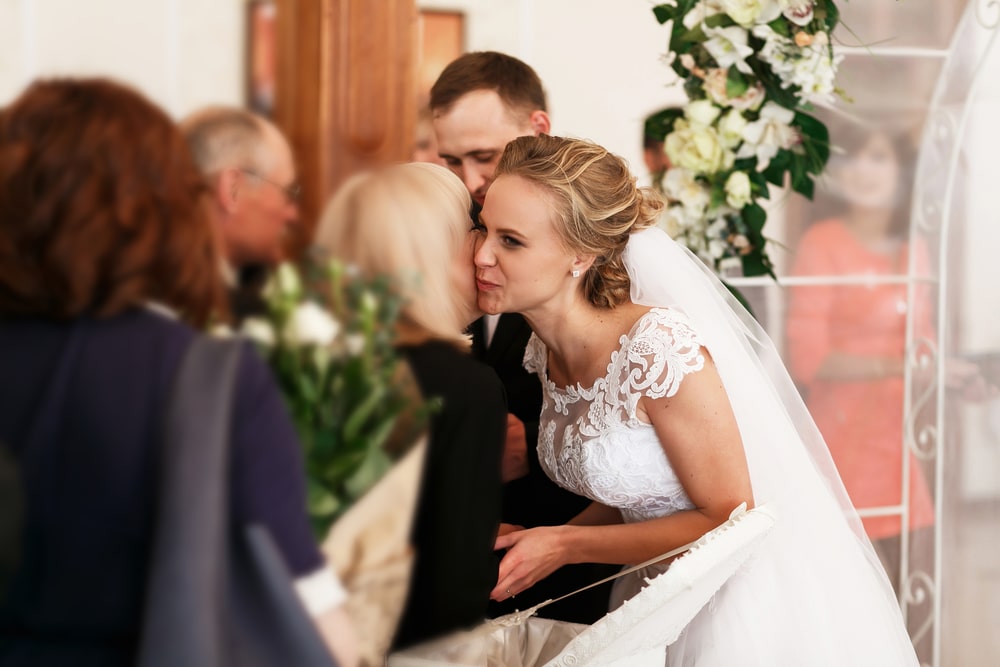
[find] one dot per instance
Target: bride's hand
(531, 556)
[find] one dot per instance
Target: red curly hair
(101, 207)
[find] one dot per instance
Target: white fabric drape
(815, 593)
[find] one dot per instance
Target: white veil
(824, 585)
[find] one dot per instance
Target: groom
(479, 103)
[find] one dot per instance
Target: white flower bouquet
(752, 69)
(328, 337)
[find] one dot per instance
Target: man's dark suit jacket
(246, 298)
(535, 500)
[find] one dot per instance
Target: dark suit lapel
(509, 331)
(478, 332)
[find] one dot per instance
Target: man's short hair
(226, 137)
(514, 81)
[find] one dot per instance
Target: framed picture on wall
(261, 56)
(441, 40)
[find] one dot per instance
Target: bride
(668, 406)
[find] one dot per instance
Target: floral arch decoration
(752, 71)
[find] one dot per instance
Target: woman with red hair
(108, 266)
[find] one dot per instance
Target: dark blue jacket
(81, 405)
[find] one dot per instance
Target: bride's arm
(699, 435)
(596, 514)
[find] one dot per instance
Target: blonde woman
(667, 405)
(411, 222)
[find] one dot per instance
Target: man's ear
(227, 189)
(540, 122)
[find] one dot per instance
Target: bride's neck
(580, 339)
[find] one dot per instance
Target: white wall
(181, 53)
(599, 59)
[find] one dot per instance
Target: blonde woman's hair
(407, 222)
(597, 205)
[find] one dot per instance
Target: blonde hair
(407, 222)
(597, 205)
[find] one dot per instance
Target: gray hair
(227, 137)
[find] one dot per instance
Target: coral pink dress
(862, 421)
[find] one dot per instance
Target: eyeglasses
(293, 192)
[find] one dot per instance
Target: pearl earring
(576, 273)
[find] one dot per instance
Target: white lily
(701, 112)
(728, 46)
(748, 12)
(764, 137)
(731, 128)
(700, 12)
(310, 324)
(681, 185)
(258, 330)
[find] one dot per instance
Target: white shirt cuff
(320, 591)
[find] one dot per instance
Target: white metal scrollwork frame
(934, 202)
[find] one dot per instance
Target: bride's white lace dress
(789, 605)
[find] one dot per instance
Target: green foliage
(329, 338)
(766, 68)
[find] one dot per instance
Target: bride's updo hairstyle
(596, 202)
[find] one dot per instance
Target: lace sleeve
(662, 349)
(535, 355)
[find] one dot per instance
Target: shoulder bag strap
(184, 605)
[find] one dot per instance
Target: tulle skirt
(790, 606)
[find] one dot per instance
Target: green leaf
(780, 26)
(334, 471)
(775, 172)
(756, 264)
(375, 464)
(831, 16)
(755, 217)
(363, 411)
(324, 443)
(320, 499)
(717, 194)
(801, 180)
(381, 433)
(693, 89)
(815, 140)
(758, 182)
(803, 183)
(720, 20)
(664, 13)
(660, 124)
(736, 83)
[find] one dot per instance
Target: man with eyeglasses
(249, 167)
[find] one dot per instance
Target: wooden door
(345, 91)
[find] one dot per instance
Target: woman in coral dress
(846, 342)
